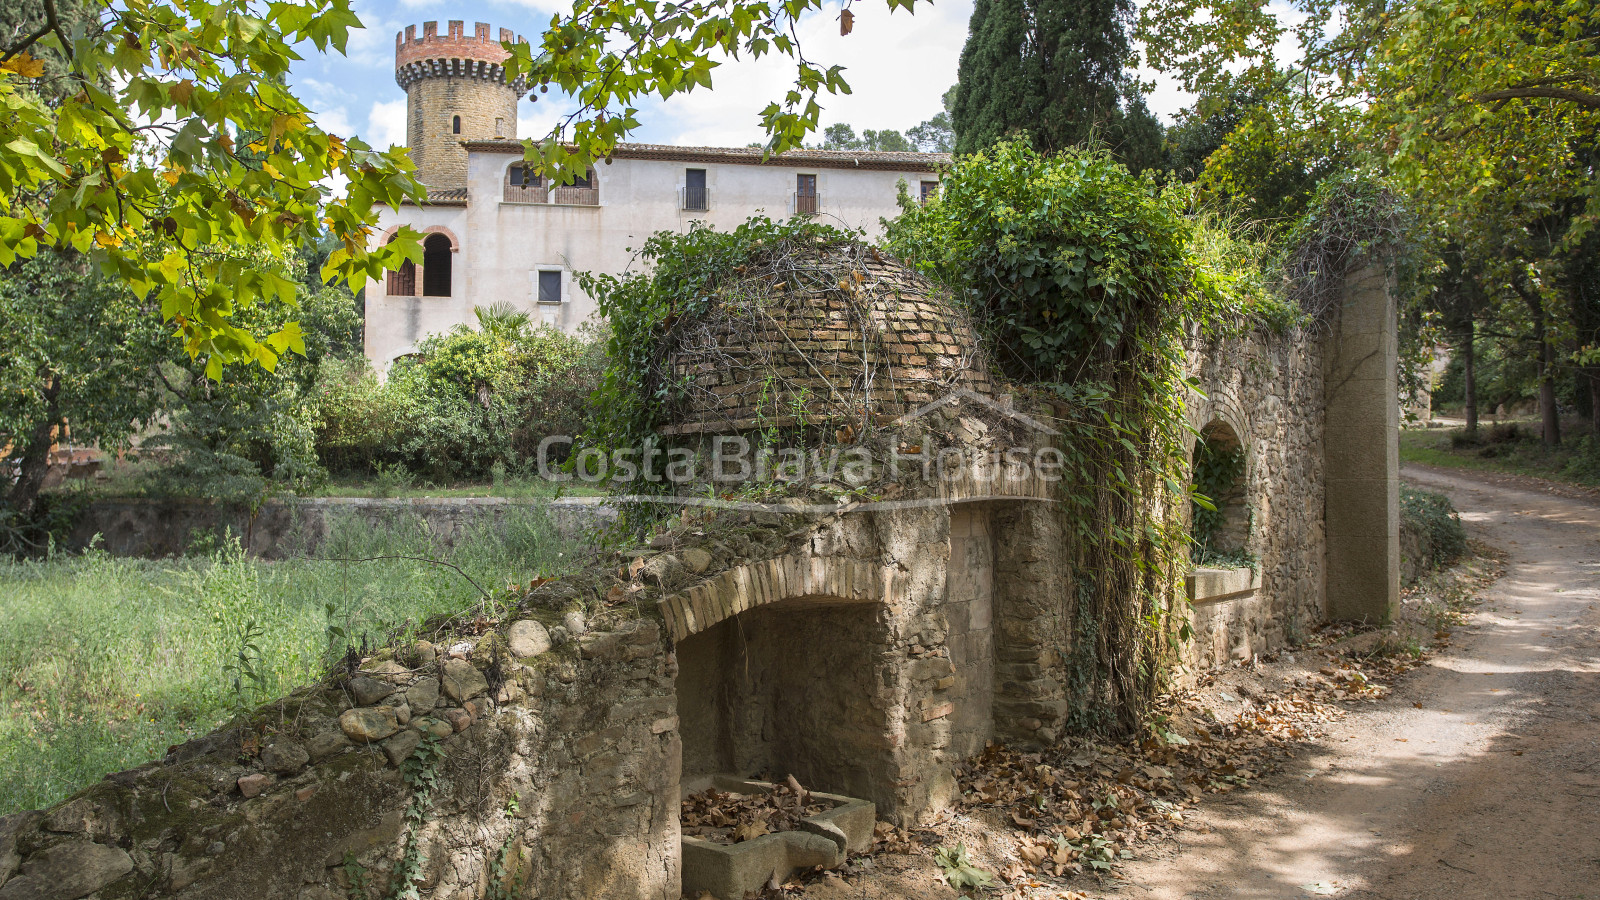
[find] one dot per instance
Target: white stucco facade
(500, 247)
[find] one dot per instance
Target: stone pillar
(1361, 444)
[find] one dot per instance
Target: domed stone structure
(849, 334)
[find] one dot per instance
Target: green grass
(1576, 461)
(138, 478)
(104, 662)
(512, 488)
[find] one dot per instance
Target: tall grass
(105, 662)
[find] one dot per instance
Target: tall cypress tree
(1056, 70)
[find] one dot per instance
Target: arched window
(1221, 534)
(436, 259)
(403, 281)
(455, 125)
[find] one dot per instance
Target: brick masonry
(876, 337)
(449, 75)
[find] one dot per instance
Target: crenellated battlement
(478, 55)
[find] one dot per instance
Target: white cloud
(386, 124)
(334, 121)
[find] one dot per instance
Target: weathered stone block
(67, 872)
(368, 724)
(423, 694)
(528, 638)
(462, 681)
(367, 691)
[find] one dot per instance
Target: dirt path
(1479, 777)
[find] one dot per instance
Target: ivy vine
(1079, 277)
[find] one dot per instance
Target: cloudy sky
(898, 66)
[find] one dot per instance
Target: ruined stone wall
(1268, 388)
(558, 772)
(1035, 607)
(969, 612)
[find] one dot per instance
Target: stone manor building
(497, 233)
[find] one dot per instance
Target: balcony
(526, 188)
(694, 199)
(574, 195)
(807, 204)
(520, 193)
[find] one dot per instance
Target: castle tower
(456, 91)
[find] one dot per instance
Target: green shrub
(1436, 519)
(466, 402)
(1584, 463)
(1058, 256)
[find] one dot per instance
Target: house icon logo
(967, 394)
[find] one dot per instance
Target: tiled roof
(752, 156)
(447, 197)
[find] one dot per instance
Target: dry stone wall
(865, 649)
(557, 770)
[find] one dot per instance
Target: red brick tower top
(453, 53)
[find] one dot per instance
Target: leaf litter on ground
(1084, 806)
(730, 817)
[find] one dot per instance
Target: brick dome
(850, 333)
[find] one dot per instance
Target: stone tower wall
(449, 75)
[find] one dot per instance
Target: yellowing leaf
(24, 64)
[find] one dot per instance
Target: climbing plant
(1217, 468)
(1079, 279)
(686, 273)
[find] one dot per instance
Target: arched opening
(1220, 524)
(788, 689)
(402, 282)
(436, 260)
(455, 125)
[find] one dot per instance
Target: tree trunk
(1594, 402)
(1550, 423)
(35, 462)
(1469, 365)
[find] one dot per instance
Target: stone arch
(392, 230)
(782, 579)
(778, 665)
(1219, 405)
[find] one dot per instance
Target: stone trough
(729, 871)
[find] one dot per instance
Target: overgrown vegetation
(466, 402)
(105, 662)
(687, 271)
(1081, 280)
(1434, 516)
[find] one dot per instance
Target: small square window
(549, 287)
